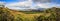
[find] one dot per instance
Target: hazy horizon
(30, 4)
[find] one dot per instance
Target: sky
(30, 4)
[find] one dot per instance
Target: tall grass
(30, 12)
(19, 17)
(0, 17)
(52, 17)
(9, 15)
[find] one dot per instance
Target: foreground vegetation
(51, 14)
(30, 12)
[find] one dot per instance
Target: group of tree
(55, 15)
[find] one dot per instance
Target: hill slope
(13, 15)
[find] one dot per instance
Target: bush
(52, 17)
(0, 17)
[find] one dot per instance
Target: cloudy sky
(30, 4)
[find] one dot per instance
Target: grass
(20, 16)
(0, 17)
(30, 12)
(27, 16)
(34, 17)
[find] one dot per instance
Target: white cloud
(43, 5)
(41, 1)
(29, 5)
(25, 3)
(20, 4)
(46, 5)
(2, 3)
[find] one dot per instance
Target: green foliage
(6, 15)
(52, 17)
(30, 12)
(20, 17)
(0, 17)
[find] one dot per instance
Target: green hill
(12, 15)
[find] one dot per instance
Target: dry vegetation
(12, 15)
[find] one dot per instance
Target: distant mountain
(39, 9)
(28, 9)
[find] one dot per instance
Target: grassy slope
(0, 17)
(20, 16)
(26, 17)
(30, 12)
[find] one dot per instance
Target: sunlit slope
(19, 16)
